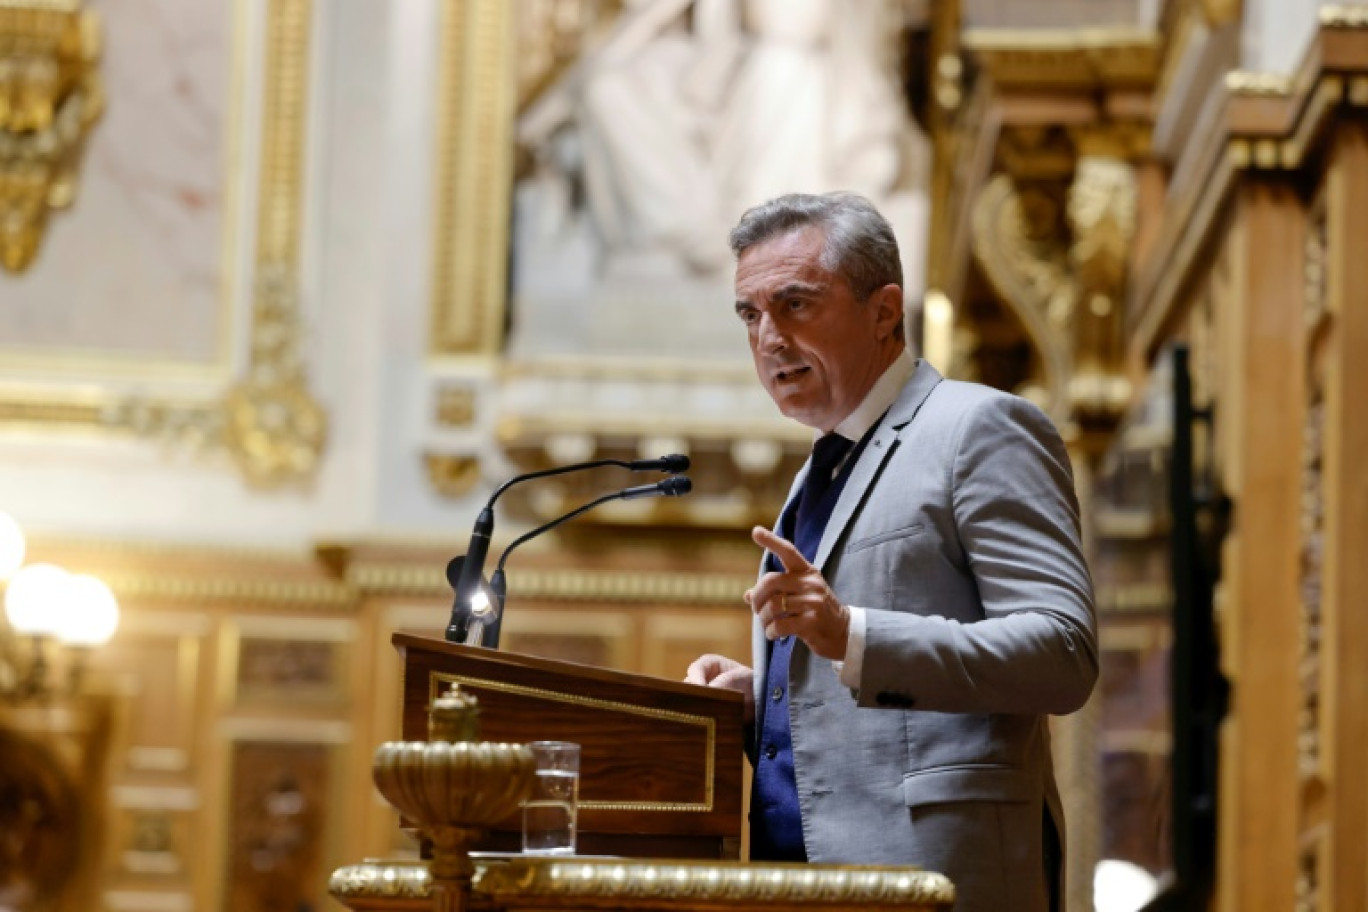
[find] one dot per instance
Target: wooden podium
(661, 763)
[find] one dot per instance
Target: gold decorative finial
(454, 717)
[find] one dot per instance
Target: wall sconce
(45, 603)
(54, 741)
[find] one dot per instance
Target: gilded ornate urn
(453, 788)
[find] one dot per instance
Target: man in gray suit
(924, 603)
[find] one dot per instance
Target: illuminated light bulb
(36, 598)
(12, 547)
(480, 604)
(91, 614)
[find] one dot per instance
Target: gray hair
(860, 246)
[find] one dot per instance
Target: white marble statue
(684, 115)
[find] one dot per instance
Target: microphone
(470, 576)
(674, 486)
(673, 464)
(468, 581)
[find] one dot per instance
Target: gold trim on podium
(437, 678)
(574, 883)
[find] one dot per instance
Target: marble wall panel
(136, 269)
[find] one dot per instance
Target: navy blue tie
(827, 454)
(776, 822)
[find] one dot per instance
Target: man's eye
(796, 304)
(748, 316)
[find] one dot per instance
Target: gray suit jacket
(958, 531)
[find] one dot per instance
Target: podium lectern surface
(661, 764)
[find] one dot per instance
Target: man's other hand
(719, 671)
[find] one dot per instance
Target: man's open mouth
(789, 373)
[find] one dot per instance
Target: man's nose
(768, 337)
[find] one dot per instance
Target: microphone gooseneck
(469, 581)
(674, 486)
(673, 464)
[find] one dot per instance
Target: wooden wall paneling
(605, 638)
(1135, 742)
(282, 836)
(155, 665)
(210, 771)
(281, 758)
(1260, 399)
(674, 637)
(362, 716)
(1339, 339)
(152, 846)
(306, 668)
(274, 664)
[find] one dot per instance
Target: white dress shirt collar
(881, 395)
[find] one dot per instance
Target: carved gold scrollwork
(452, 475)
(1101, 212)
(1018, 241)
(274, 428)
(50, 97)
(1057, 258)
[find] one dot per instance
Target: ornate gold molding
(258, 590)
(1289, 152)
(52, 97)
(474, 175)
(1067, 58)
(636, 884)
(274, 579)
(1271, 123)
(456, 405)
(564, 585)
(268, 421)
(632, 884)
(274, 428)
(1247, 82)
(1343, 17)
(452, 474)
(374, 879)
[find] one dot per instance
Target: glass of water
(549, 814)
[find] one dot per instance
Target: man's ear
(888, 306)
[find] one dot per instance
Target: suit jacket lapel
(875, 455)
(759, 645)
(862, 476)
